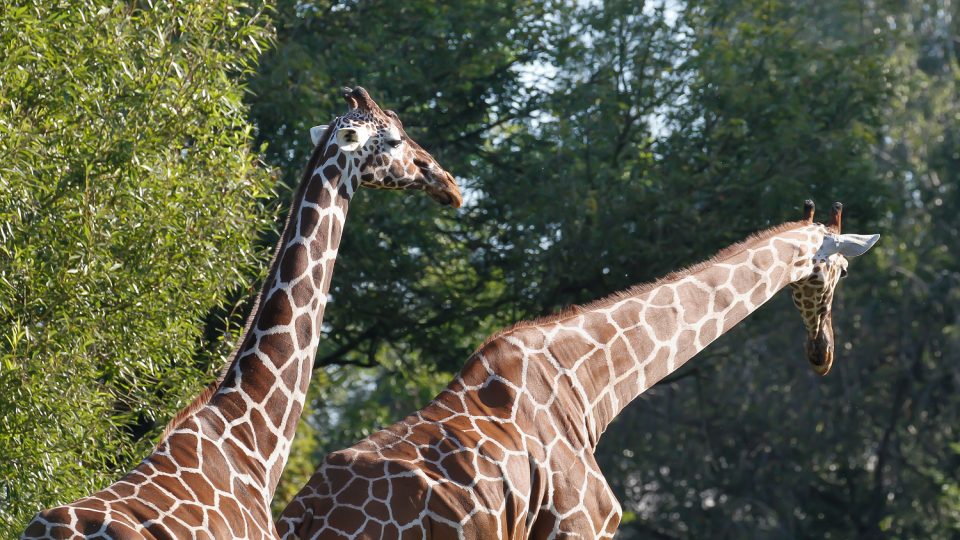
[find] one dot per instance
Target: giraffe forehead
(357, 118)
(823, 280)
(829, 264)
(391, 132)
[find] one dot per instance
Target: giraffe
(507, 449)
(216, 468)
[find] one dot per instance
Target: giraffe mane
(204, 397)
(577, 309)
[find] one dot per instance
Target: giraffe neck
(616, 349)
(253, 413)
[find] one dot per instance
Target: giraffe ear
(316, 133)
(854, 245)
(350, 139)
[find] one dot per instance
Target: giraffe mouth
(443, 189)
(821, 360)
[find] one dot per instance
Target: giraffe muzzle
(443, 189)
(819, 348)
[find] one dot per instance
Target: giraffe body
(507, 449)
(216, 469)
(459, 468)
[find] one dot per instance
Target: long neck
(255, 410)
(620, 347)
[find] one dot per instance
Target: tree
(600, 145)
(744, 443)
(414, 287)
(130, 203)
(638, 138)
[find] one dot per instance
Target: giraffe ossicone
(507, 449)
(216, 468)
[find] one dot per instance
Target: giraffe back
(495, 451)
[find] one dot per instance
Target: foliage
(622, 140)
(129, 206)
(413, 281)
(600, 144)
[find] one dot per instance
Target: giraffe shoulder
(512, 345)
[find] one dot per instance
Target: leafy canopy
(129, 208)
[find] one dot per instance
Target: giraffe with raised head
(507, 449)
(214, 473)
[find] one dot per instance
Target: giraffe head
(386, 157)
(813, 293)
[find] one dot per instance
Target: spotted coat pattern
(216, 469)
(507, 449)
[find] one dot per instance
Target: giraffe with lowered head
(507, 449)
(216, 468)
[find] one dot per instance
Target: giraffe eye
(843, 272)
(395, 143)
